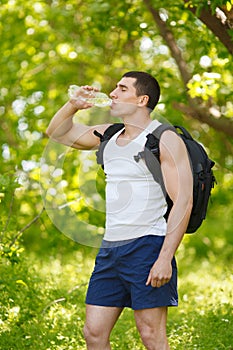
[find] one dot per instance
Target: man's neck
(134, 125)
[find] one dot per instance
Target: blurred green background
(52, 197)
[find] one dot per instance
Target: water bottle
(99, 99)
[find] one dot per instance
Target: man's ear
(143, 100)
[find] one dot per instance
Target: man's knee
(91, 334)
(151, 324)
(153, 339)
(94, 336)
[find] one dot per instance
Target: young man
(135, 266)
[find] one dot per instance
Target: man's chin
(114, 114)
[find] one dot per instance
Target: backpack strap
(153, 139)
(151, 154)
(184, 132)
(107, 135)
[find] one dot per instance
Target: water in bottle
(99, 99)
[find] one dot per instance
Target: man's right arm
(62, 129)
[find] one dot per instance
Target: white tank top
(135, 204)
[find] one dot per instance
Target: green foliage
(199, 4)
(52, 198)
(10, 247)
(42, 304)
(56, 45)
(35, 312)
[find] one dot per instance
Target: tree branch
(193, 110)
(168, 37)
(215, 24)
(26, 227)
(222, 124)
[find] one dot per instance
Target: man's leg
(151, 324)
(100, 320)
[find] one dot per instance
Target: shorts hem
(135, 308)
(106, 305)
(143, 307)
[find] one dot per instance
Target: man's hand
(160, 273)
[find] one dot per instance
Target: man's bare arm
(63, 130)
(178, 181)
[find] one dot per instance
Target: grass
(42, 305)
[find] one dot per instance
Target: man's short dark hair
(145, 84)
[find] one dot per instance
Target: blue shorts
(120, 274)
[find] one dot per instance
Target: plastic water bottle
(99, 99)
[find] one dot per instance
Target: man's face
(124, 98)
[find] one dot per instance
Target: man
(135, 266)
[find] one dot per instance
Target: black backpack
(203, 177)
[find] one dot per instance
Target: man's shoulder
(171, 143)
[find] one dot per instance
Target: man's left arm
(178, 180)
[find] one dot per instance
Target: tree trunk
(217, 25)
(193, 108)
